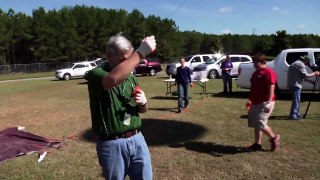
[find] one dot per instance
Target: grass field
(14, 76)
(203, 142)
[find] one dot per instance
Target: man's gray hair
(118, 44)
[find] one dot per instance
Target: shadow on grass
(83, 83)
(239, 95)
(163, 77)
(172, 109)
(305, 96)
(210, 148)
(159, 132)
(169, 97)
(282, 118)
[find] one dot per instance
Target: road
(29, 79)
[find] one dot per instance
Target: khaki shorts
(257, 118)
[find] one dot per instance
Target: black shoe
(254, 147)
(179, 110)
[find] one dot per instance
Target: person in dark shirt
(183, 80)
(226, 67)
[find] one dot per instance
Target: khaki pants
(257, 118)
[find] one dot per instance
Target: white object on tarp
(21, 128)
(42, 156)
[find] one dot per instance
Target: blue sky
(207, 16)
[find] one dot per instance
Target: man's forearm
(271, 92)
(121, 72)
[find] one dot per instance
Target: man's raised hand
(147, 46)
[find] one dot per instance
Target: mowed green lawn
(203, 142)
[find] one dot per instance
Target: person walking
(183, 81)
(261, 103)
(115, 103)
(297, 73)
(226, 67)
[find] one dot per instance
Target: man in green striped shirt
(115, 103)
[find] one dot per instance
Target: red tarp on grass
(15, 142)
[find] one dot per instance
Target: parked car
(75, 70)
(98, 61)
(211, 68)
(191, 61)
(149, 66)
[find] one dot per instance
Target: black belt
(126, 134)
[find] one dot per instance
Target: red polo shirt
(260, 81)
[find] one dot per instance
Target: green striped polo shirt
(112, 111)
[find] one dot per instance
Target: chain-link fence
(32, 68)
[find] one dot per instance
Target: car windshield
(211, 61)
(187, 59)
(102, 64)
(70, 66)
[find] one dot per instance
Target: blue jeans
(125, 156)
(183, 94)
(295, 106)
(227, 83)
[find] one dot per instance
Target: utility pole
(144, 28)
(253, 39)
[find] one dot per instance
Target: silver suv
(211, 68)
(75, 70)
(191, 61)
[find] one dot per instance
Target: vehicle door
(141, 68)
(235, 63)
(243, 59)
(195, 61)
(80, 69)
(316, 67)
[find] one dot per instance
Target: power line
(184, 1)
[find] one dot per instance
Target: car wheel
(66, 76)
(213, 74)
(152, 72)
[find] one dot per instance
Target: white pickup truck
(280, 66)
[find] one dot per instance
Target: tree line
(81, 32)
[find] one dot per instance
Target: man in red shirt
(261, 103)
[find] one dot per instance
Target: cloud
(225, 10)
(275, 8)
(226, 31)
(302, 26)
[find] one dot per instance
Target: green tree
(281, 42)
(4, 38)
(302, 41)
(216, 45)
